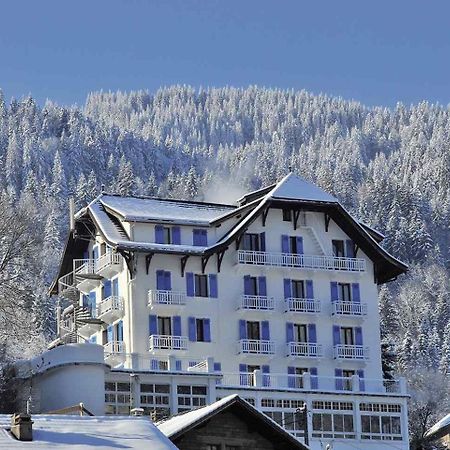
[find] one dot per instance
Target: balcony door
(338, 248)
(250, 242)
(344, 292)
(253, 331)
(298, 288)
(300, 333)
(347, 336)
(164, 326)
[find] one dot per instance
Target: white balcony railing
(66, 282)
(258, 347)
(349, 309)
(112, 305)
(302, 305)
(84, 266)
(350, 352)
(108, 260)
(114, 347)
(159, 297)
(257, 303)
(163, 342)
(305, 349)
(320, 262)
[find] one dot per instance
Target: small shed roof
(439, 429)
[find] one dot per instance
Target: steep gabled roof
(177, 426)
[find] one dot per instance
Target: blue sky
(378, 52)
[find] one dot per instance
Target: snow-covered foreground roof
(440, 428)
(82, 433)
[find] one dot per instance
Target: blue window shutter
(213, 291)
(312, 336)
(262, 287)
(196, 237)
(92, 299)
(350, 249)
(204, 238)
(314, 379)
(176, 235)
(95, 253)
(115, 287)
(309, 289)
(242, 329)
(154, 364)
(334, 291)
(178, 365)
(289, 332)
(339, 380)
(93, 340)
(159, 234)
(217, 367)
(110, 333)
(176, 325)
(336, 335)
(86, 301)
(243, 368)
(247, 285)
(192, 329)
(207, 330)
(362, 384)
(299, 241)
(243, 378)
(107, 288)
(358, 336)
(120, 331)
(153, 324)
(167, 281)
(262, 242)
(355, 293)
(265, 378)
(190, 284)
(291, 379)
(287, 288)
(265, 330)
(160, 282)
(86, 254)
(285, 243)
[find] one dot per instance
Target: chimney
(22, 427)
(71, 214)
(137, 412)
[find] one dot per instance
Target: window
(164, 326)
(287, 215)
(253, 330)
(200, 327)
(344, 292)
(293, 245)
(250, 241)
(338, 248)
(300, 333)
(333, 425)
(347, 336)
(298, 288)
(154, 399)
(199, 237)
(166, 236)
(381, 427)
(251, 369)
(347, 379)
(252, 287)
(232, 447)
(297, 381)
(201, 285)
(213, 447)
(191, 397)
(117, 398)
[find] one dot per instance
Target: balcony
(67, 288)
(349, 309)
(256, 347)
(114, 353)
(304, 349)
(85, 277)
(313, 262)
(108, 264)
(303, 305)
(110, 309)
(256, 303)
(355, 352)
(173, 300)
(165, 342)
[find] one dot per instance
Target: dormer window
(343, 248)
(167, 235)
(254, 242)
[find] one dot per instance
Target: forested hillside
(391, 168)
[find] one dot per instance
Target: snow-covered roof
(83, 433)
(177, 425)
(440, 428)
(137, 209)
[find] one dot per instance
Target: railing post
(355, 383)
(306, 381)
(210, 364)
(257, 378)
(172, 363)
(402, 385)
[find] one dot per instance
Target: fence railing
(254, 346)
(302, 305)
(305, 349)
(114, 347)
(163, 297)
(106, 260)
(112, 303)
(257, 303)
(350, 352)
(349, 308)
(84, 266)
(158, 341)
(320, 262)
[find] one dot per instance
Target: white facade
(290, 318)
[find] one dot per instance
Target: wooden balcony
(313, 262)
(165, 342)
(304, 350)
(349, 309)
(303, 305)
(355, 352)
(110, 309)
(256, 347)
